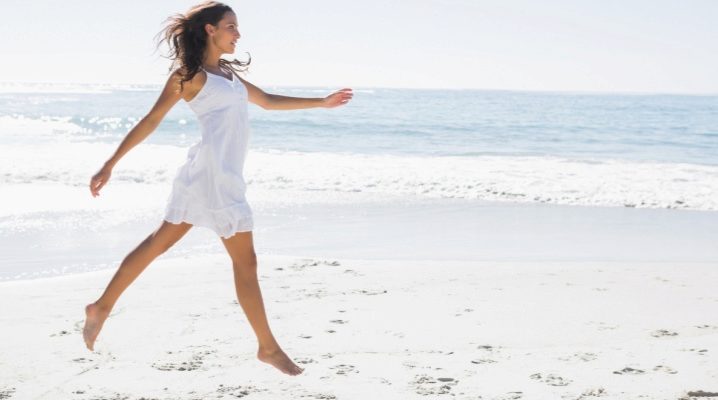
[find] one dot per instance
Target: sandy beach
(448, 200)
(389, 329)
(392, 276)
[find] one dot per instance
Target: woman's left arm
(270, 101)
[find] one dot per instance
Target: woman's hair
(187, 39)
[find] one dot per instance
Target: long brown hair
(187, 39)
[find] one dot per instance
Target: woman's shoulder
(190, 87)
(180, 72)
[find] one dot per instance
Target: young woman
(209, 188)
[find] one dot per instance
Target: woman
(209, 188)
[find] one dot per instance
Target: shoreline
(408, 229)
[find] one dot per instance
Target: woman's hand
(338, 98)
(99, 180)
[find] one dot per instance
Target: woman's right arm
(168, 98)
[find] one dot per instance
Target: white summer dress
(209, 187)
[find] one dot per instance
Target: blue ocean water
(655, 151)
(388, 146)
(661, 128)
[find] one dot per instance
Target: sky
(638, 46)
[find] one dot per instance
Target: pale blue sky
(577, 45)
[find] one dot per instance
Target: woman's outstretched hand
(338, 98)
(99, 180)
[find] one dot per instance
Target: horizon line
(478, 89)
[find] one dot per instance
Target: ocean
(579, 149)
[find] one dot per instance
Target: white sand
(372, 330)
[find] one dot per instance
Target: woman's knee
(166, 236)
(245, 264)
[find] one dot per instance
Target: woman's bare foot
(95, 317)
(279, 360)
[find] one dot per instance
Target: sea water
(581, 149)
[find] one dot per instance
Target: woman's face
(226, 33)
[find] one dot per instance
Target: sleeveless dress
(209, 187)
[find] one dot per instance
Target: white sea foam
(30, 130)
(521, 179)
(42, 151)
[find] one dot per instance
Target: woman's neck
(211, 60)
(211, 65)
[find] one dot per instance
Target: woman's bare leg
(134, 263)
(244, 262)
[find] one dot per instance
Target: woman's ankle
(98, 306)
(269, 348)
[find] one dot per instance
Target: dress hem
(240, 223)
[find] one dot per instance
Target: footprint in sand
(700, 352)
(426, 385)
(385, 381)
(239, 391)
(630, 371)
(370, 292)
(483, 361)
(698, 393)
(551, 379)
(489, 351)
(665, 368)
(465, 310)
(299, 266)
(309, 395)
(706, 326)
(181, 362)
(580, 356)
(6, 393)
(509, 396)
(595, 392)
(315, 293)
(663, 332)
(338, 321)
(344, 369)
(305, 360)
(113, 396)
(61, 333)
(410, 364)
